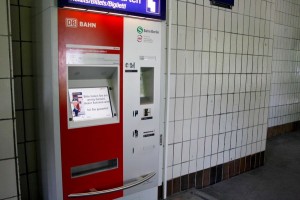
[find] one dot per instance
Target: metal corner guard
(131, 184)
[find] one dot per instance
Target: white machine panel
(142, 60)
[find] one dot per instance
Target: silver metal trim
(131, 184)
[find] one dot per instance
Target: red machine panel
(80, 146)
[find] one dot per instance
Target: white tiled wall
(220, 83)
(9, 186)
(285, 90)
(22, 44)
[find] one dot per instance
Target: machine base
(150, 194)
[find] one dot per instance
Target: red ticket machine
(99, 86)
(90, 76)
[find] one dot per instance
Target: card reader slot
(148, 134)
(92, 168)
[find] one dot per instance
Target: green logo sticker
(140, 30)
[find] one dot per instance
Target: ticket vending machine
(106, 140)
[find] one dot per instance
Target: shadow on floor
(279, 179)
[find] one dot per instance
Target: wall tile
(186, 130)
(22, 158)
(16, 58)
(27, 58)
(191, 11)
(31, 156)
(194, 128)
(206, 40)
(181, 37)
(176, 172)
(15, 23)
(8, 188)
(28, 90)
(4, 56)
(20, 126)
(3, 18)
(177, 153)
(184, 169)
(6, 139)
(6, 100)
(33, 186)
(185, 151)
(193, 150)
(182, 17)
(170, 155)
(199, 16)
(26, 2)
(202, 127)
(30, 125)
(25, 23)
(178, 131)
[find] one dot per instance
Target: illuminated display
(144, 8)
(90, 103)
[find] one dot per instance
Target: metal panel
(142, 50)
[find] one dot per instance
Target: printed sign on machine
(90, 103)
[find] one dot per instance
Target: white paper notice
(90, 103)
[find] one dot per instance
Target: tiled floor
(278, 179)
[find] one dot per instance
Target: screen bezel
(114, 91)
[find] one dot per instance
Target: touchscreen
(90, 103)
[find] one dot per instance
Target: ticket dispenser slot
(88, 169)
(92, 95)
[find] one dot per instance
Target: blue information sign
(223, 3)
(145, 8)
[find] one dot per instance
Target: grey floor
(278, 179)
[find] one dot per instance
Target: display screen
(90, 103)
(144, 8)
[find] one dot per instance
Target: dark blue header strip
(223, 3)
(144, 8)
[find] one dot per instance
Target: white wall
(220, 78)
(8, 151)
(285, 89)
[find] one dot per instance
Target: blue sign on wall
(223, 3)
(145, 8)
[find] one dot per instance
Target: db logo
(71, 22)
